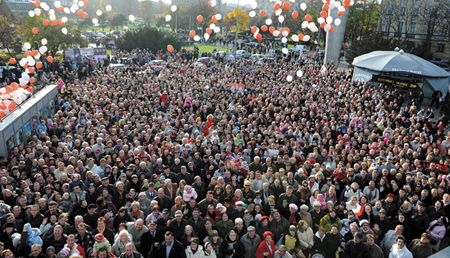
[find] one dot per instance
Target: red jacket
(263, 247)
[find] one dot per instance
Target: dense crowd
(139, 162)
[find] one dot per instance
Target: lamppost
(237, 22)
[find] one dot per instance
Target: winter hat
(65, 251)
(292, 228)
(15, 239)
(99, 238)
(188, 188)
(293, 206)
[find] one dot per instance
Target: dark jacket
(107, 233)
(332, 243)
(35, 222)
(148, 241)
(238, 248)
(177, 250)
(177, 230)
(420, 223)
(135, 255)
(419, 250)
(351, 250)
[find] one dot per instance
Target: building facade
(22, 7)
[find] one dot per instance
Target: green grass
(207, 48)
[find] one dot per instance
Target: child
(66, 203)
(189, 192)
(76, 182)
(101, 242)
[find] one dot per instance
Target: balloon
(264, 28)
(80, 4)
(64, 19)
(320, 20)
(15, 86)
(259, 37)
(295, 38)
(85, 2)
(12, 61)
(38, 65)
(199, 18)
(31, 14)
(285, 51)
(49, 59)
(34, 52)
(278, 12)
(196, 38)
(269, 21)
(64, 31)
(254, 29)
(281, 19)
(37, 11)
(60, 22)
(262, 13)
(173, 8)
(57, 4)
(168, 17)
(212, 3)
(304, 24)
(299, 73)
(25, 76)
(271, 30)
(303, 6)
(254, 5)
(213, 19)
(284, 40)
(295, 15)
(306, 38)
(286, 5)
(217, 29)
(170, 48)
(85, 15)
(35, 30)
(218, 16)
(285, 33)
(99, 12)
(341, 9)
(329, 19)
(332, 6)
(131, 18)
(12, 106)
(337, 22)
(44, 41)
(80, 12)
(108, 8)
(27, 45)
(308, 18)
(206, 36)
(37, 4)
(54, 22)
(192, 33)
(208, 31)
(60, 9)
(32, 80)
(277, 6)
(327, 27)
(23, 97)
(331, 28)
(8, 89)
(276, 33)
(27, 53)
(23, 62)
(323, 14)
(252, 14)
(322, 25)
(289, 78)
(66, 10)
(94, 21)
(325, 7)
(341, 13)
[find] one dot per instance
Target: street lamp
(237, 22)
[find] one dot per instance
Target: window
(440, 47)
(402, 10)
(412, 27)
(387, 25)
(416, 11)
(400, 26)
(390, 10)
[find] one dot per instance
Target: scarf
(292, 219)
(371, 193)
(135, 214)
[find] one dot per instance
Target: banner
(323, 70)
(83, 54)
(395, 82)
(236, 87)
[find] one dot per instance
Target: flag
(323, 70)
(315, 41)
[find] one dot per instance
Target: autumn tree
(243, 20)
(9, 31)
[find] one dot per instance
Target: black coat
(332, 243)
(360, 250)
(177, 230)
(177, 250)
(420, 223)
(239, 248)
(148, 241)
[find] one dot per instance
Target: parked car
(298, 48)
(204, 60)
(441, 65)
(157, 62)
(255, 57)
(242, 53)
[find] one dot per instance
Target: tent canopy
(393, 61)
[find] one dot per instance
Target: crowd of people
(178, 164)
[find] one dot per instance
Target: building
(22, 7)
(219, 5)
(414, 22)
(266, 5)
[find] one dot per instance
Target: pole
(237, 22)
(189, 29)
(176, 22)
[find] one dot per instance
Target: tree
(9, 32)
(243, 21)
(147, 38)
(193, 11)
(145, 8)
(56, 40)
(118, 20)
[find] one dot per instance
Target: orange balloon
(208, 31)
(277, 6)
(308, 18)
(170, 48)
(214, 20)
(85, 15)
(8, 89)
(2, 114)
(12, 61)
(60, 22)
(54, 22)
(32, 80)
(300, 37)
(199, 18)
(29, 89)
(322, 25)
(281, 31)
(2, 105)
(37, 4)
(326, 7)
(38, 65)
(271, 29)
(60, 9)
(323, 14)
(45, 22)
(340, 13)
(295, 15)
(31, 70)
(25, 66)
(35, 30)
(262, 13)
(12, 106)
(209, 3)
(331, 28)
(49, 59)
(264, 28)
(34, 52)
(192, 33)
(80, 12)
(259, 37)
(254, 29)
(27, 53)
(85, 2)
(15, 86)
(286, 5)
(288, 30)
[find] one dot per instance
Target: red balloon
(326, 7)
(85, 2)
(12, 61)
(45, 22)
(323, 14)
(35, 30)
(199, 18)
(295, 15)
(31, 70)
(170, 48)
(15, 86)
(271, 29)
(264, 28)
(331, 28)
(308, 18)
(277, 7)
(322, 25)
(38, 65)
(27, 53)
(54, 22)
(34, 52)
(49, 59)
(340, 13)
(37, 4)
(80, 12)
(60, 9)
(213, 19)
(259, 37)
(208, 31)
(254, 29)
(32, 80)
(262, 13)
(85, 15)
(192, 33)
(300, 37)
(286, 5)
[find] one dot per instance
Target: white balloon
(284, 40)
(27, 45)
(332, 5)
(299, 73)
(168, 17)
(57, 4)
(52, 17)
(295, 38)
(305, 24)
(217, 29)
(22, 81)
(75, 6)
(44, 41)
(213, 3)
(311, 25)
(341, 9)
(196, 38)
(99, 12)
(37, 56)
(17, 100)
(278, 12)
(327, 27)
(23, 97)
(94, 21)
(285, 50)
(64, 31)
(252, 14)
(31, 62)
(281, 19)
(306, 38)
(46, 7)
(206, 36)
(329, 19)
(37, 11)
(268, 21)
(72, 9)
(81, 4)
(51, 12)
(131, 18)
(276, 33)
(285, 33)
(224, 1)
(31, 14)
(6, 111)
(206, 87)
(173, 8)
(320, 20)
(352, 2)
(64, 19)
(254, 5)
(289, 78)
(108, 8)
(337, 21)
(218, 16)
(314, 29)
(293, 1)
(66, 10)
(212, 26)
(303, 6)
(29, 59)
(25, 76)
(43, 49)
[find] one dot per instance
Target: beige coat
(306, 238)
